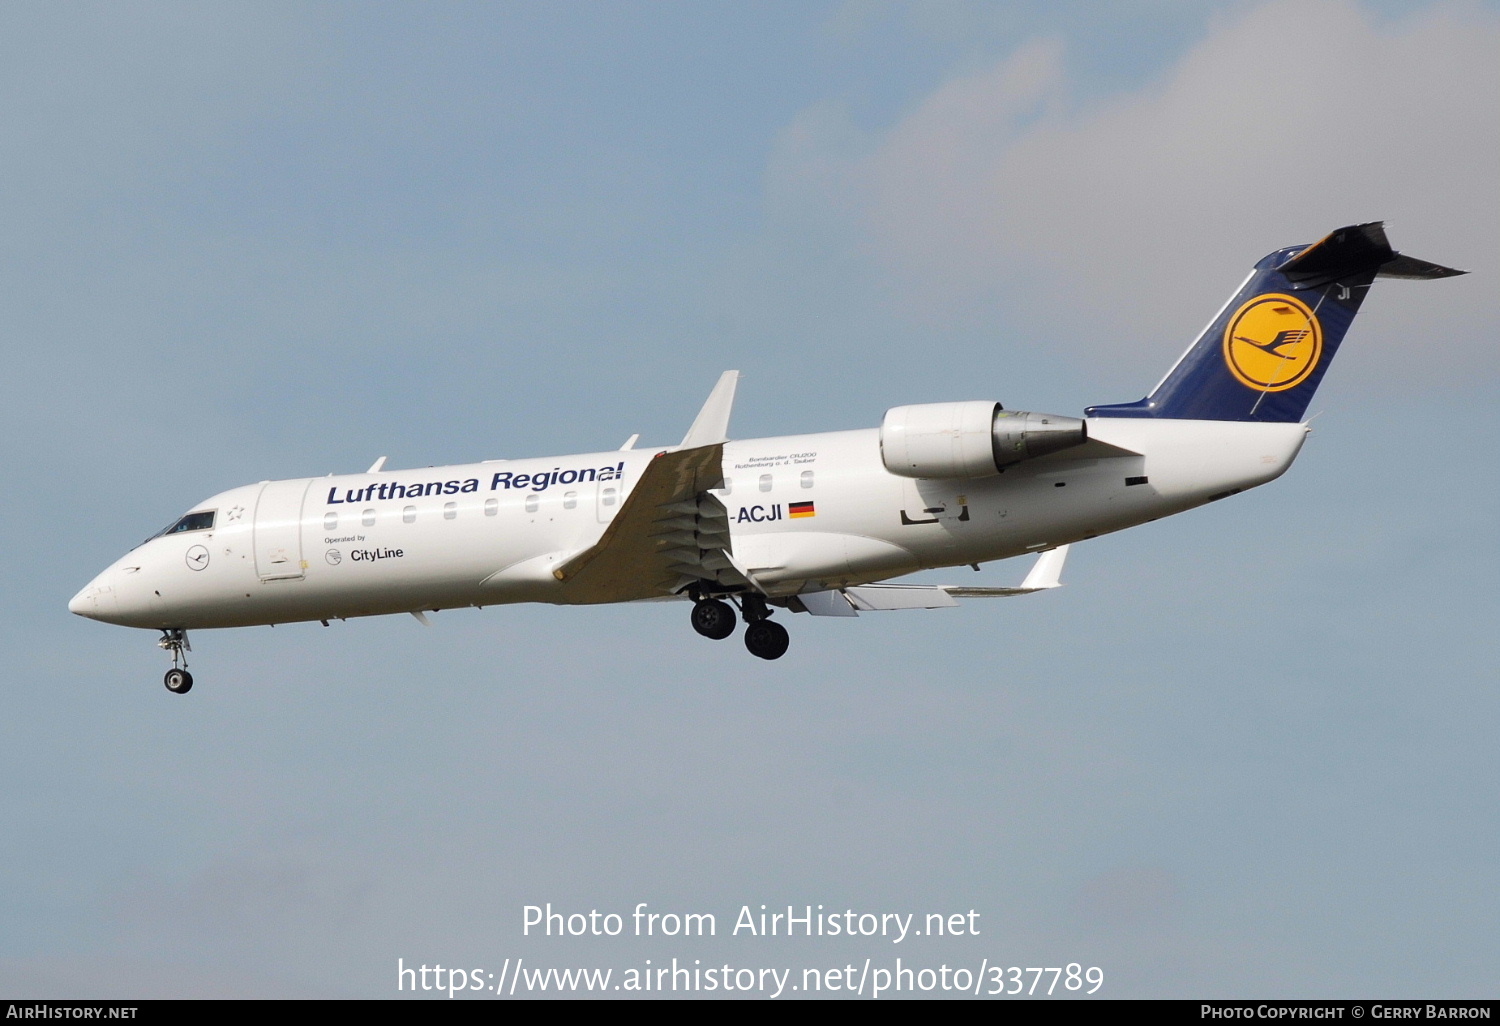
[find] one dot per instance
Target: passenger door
(278, 530)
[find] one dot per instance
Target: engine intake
(972, 439)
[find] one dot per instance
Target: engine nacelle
(974, 439)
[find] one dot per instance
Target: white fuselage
(490, 533)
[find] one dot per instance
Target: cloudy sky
(1246, 751)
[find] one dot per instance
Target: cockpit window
(203, 521)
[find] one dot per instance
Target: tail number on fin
(1273, 343)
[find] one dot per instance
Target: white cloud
(1123, 223)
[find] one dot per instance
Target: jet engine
(973, 439)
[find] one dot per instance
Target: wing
(668, 533)
(1045, 575)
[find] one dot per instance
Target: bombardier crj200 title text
(800, 523)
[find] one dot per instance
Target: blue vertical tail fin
(1263, 355)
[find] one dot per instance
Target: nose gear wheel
(177, 680)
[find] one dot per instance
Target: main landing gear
(714, 618)
(766, 639)
(177, 680)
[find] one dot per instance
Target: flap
(826, 603)
(638, 554)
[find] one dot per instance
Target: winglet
(1047, 573)
(712, 424)
(375, 467)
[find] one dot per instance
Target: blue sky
(1246, 751)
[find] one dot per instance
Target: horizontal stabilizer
(1357, 249)
(1414, 269)
(1351, 250)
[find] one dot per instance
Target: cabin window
(367, 518)
(765, 482)
(409, 515)
(491, 507)
(807, 479)
(450, 510)
(570, 500)
(607, 497)
(331, 521)
(532, 501)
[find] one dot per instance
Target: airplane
(811, 523)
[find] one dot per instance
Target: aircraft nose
(96, 600)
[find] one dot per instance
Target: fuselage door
(278, 530)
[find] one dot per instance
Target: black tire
(179, 682)
(766, 639)
(713, 619)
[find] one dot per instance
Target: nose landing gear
(177, 680)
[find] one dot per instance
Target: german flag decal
(800, 509)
